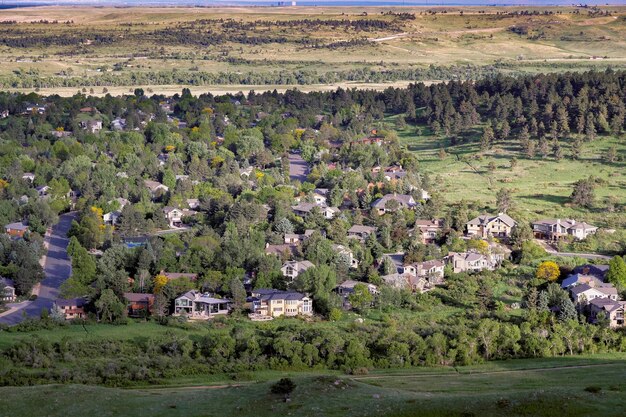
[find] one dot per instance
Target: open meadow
(67, 48)
(571, 386)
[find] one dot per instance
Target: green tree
(109, 307)
(361, 298)
(238, 293)
(616, 274)
(583, 194)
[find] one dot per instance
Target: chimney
(558, 221)
(573, 222)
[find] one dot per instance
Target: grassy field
(540, 187)
(571, 386)
(559, 41)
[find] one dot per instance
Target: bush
(283, 387)
(594, 389)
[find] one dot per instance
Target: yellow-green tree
(548, 271)
(159, 282)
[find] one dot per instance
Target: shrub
(283, 387)
(594, 389)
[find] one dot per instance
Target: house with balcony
(196, 305)
(487, 225)
(7, 290)
(270, 303)
(72, 309)
(138, 304)
(360, 232)
(428, 230)
(558, 229)
(469, 262)
(613, 311)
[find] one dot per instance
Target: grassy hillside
(572, 386)
(540, 186)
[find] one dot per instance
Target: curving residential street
(57, 268)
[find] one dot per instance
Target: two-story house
(156, 188)
(7, 290)
(557, 229)
(304, 209)
(487, 225)
(469, 262)
(274, 303)
(292, 269)
(17, 229)
(613, 311)
(138, 304)
(72, 308)
(428, 230)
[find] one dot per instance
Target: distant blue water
(6, 4)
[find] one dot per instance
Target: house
(402, 201)
(197, 305)
(557, 229)
(118, 124)
(320, 195)
(579, 279)
(193, 203)
(613, 311)
(42, 190)
(469, 262)
(428, 230)
(292, 269)
(347, 287)
(283, 251)
(582, 294)
(17, 229)
(91, 125)
(28, 176)
(406, 281)
(274, 303)
(347, 254)
(139, 305)
(361, 232)
(598, 271)
(7, 290)
(304, 209)
(487, 225)
(72, 309)
(175, 215)
(176, 275)
(111, 218)
(156, 188)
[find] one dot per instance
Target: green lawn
(540, 187)
(544, 387)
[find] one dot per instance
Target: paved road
(57, 269)
(552, 251)
(298, 168)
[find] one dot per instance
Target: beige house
(583, 294)
(427, 230)
(292, 269)
(401, 201)
(613, 311)
(469, 262)
(361, 232)
(556, 229)
(486, 225)
(156, 188)
(275, 303)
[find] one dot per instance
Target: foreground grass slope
(570, 386)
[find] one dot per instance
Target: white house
(112, 217)
(7, 290)
(196, 305)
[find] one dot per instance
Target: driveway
(298, 168)
(552, 251)
(57, 268)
